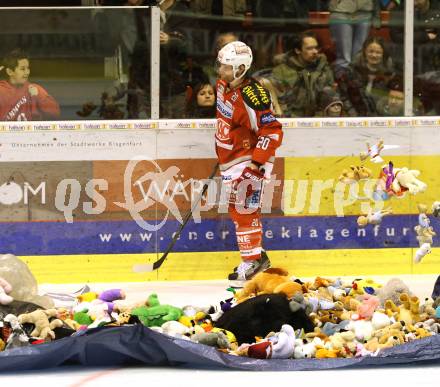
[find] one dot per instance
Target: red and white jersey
(17, 104)
(246, 128)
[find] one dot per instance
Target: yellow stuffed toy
(40, 318)
(273, 280)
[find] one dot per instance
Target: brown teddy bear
(40, 318)
(273, 280)
(356, 174)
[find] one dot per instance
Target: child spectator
(21, 100)
(330, 103)
(202, 102)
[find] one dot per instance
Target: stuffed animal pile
(271, 317)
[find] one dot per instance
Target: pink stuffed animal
(5, 288)
(368, 306)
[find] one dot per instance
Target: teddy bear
(421, 252)
(424, 234)
(363, 329)
(330, 328)
(374, 344)
(280, 345)
(257, 316)
(40, 319)
(373, 218)
(430, 325)
(307, 350)
(16, 336)
(392, 291)
(394, 329)
(427, 310)
(357, 173)
(273, 280)
(156, 314)
(380, 320)
(344, 342)
(5, 289)
(367, 307)
(212, 339)
(324, 353)
(361, 286)
(373, 151)
(107, 296)
(406, 179)
(399, 313)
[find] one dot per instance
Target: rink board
(137, 345)
(310, 210)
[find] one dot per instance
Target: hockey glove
(247, 188)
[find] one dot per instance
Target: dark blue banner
(280, 233)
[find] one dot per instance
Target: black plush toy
(260, 315)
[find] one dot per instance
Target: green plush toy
(156, 314)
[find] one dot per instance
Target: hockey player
(246, 139)
(19, 99)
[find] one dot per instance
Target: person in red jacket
(21, 100)
(246, 139)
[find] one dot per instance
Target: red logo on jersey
(222, 130)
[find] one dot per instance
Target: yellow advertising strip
(217, 265)
(313, 181)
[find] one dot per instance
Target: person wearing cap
(330, 103)
(247, 137)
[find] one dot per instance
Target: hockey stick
(145, 267)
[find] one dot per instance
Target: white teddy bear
(407, 178)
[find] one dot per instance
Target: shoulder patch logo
(256, 96)
(267, 118)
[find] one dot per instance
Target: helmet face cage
(236, 54)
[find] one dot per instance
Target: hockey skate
(247, 270)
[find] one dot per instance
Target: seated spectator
(300, 77)
(202, 103)
(21, 100)
(330, 103)
(393, 105)
(365, 81)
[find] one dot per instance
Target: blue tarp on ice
(116, 346)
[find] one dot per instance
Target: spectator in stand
(302, 74)
(393, 104)
(330, 103)
(426, 35)
(350, 22)
(21, 100)
(365, 81)
(202, 103)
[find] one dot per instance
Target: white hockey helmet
(236, 54)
